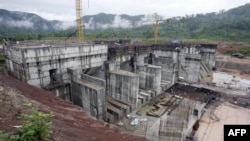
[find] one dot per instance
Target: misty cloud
(90, 24)
(45, 27)
(64, 25)
(55, 10)
(119, 22)
(20, 23)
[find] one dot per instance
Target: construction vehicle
(156, 24)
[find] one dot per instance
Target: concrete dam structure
(109, 80)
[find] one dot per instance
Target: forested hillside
(233, 25)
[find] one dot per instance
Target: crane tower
(156, 28)
(156, 24)
(79, 20)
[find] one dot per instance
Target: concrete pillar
(142, 76)
(140, 60)
(150, 77)
(90, 96)
(153, 79)
(124, 87)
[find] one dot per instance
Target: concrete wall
(189, 67)
(89, 93)
(150, 77)
(232, 65)
(168, 60)
(125, 62)
(208, 53)
(45, 65)
(66, 68)
(181, 62)
(33, 63)
(127, 66)
(124, 86)
(168, 54)
(189, 50)
(168, 68)
(94, 80)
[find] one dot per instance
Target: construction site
(111, 81)
(154, 91)
(158, 91)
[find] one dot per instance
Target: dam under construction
(145, 89)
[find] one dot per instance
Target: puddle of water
(225, 80)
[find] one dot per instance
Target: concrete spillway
(108, 80)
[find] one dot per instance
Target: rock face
(70, 122)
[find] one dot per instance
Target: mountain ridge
(231, 24)
(29, 22)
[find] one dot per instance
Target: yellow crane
(79, 20)
(157, 20)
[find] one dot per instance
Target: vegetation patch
(2, 59)
(231, 25)
(37, 126)
(243, 50)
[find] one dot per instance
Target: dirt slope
(70, 122)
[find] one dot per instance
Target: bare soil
(70, 122)
(232, 65)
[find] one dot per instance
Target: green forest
(231, 25)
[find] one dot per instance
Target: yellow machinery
(157, 20)
(80, 23)
(79, 20)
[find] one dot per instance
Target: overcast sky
(65, 9)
